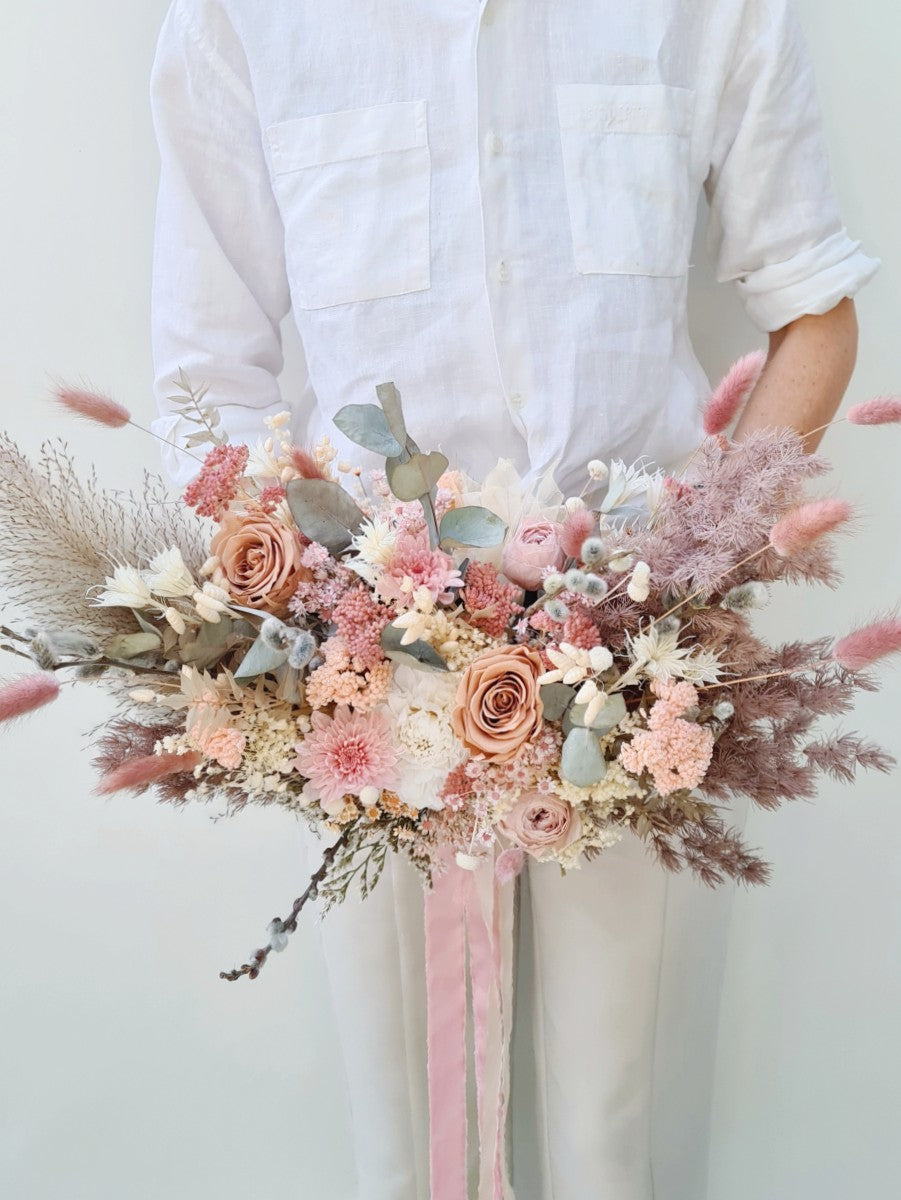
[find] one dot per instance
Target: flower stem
(258, 958)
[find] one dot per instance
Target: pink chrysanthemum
(217, 484)
(346, 753)
(676, 752)
(360, 620)
(488, 599)
(414, 560)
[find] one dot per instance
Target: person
(492, 204)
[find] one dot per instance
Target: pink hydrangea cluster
(415, 560)
(340, 680)
(676, 752)
(218, 482)
(488, 599)
(330, 581)
(360, 620)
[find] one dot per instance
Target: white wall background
(126, 1067)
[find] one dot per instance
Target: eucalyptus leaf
(324, 512)
(415, 478)
(143, 622)
(289, 687)
(608, 718)
(259, 659)
(582, 759)
(556, 698)
(131, 645)
(367, 425)
(472, 526)
(210, 643)
(389, 399)
(417, 654)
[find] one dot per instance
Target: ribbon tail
(445, 934)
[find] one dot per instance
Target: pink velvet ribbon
(466, 905)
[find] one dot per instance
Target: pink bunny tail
(884, 410)
(732, 392)
(93, 406)
(868, 645)
(306, 465)
(25, 695)
(508, 865)
(576, 528)
(136, 774)
(804, 525)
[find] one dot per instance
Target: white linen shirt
(489, 202)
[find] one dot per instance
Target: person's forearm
(808, 369)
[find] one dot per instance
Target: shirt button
(503, 271)
(516, 400)
(494, 143)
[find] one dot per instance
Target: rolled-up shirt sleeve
(775, 226)
(219, 289)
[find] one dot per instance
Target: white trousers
(615, 1025)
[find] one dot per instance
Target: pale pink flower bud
(805, 524)
(866, 646)
(25, 695)
(93, 406)
(884, 410)
(533, 549)
(732, 392)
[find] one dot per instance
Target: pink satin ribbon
(466, 904)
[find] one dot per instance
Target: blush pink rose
(498, 705)
(259, 561)
(541, 824)
(534, 547)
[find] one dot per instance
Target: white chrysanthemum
(656, 653)
(374, 545)
(419, 705)
(168, 576)
(125, 588)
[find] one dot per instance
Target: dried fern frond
(59, 532)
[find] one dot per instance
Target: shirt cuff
(242, 424)
(811, 282)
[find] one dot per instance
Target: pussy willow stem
(289, 925)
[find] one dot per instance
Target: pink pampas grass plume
(93, 406)
(868, 645)
(884, 410)
(509, 864)
(25, 695)
(136, 774)
(805, 524)
(306, 465)
(578, 526)
(732, 392)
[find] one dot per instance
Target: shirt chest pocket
(627, 168)
(353, 188)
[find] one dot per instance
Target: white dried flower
(598, 470)
(125, 588)
(175, 620)
(576, 580)
(592, 549)
(553, 583)
(281, 420)
(626, 483)
(262, 462)
(209, 567)
(168, 576)
(574, 504)
(639, 587)
(369, 796)
(724, 710)
(143, 696)
(556, 610)
(622, 563)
